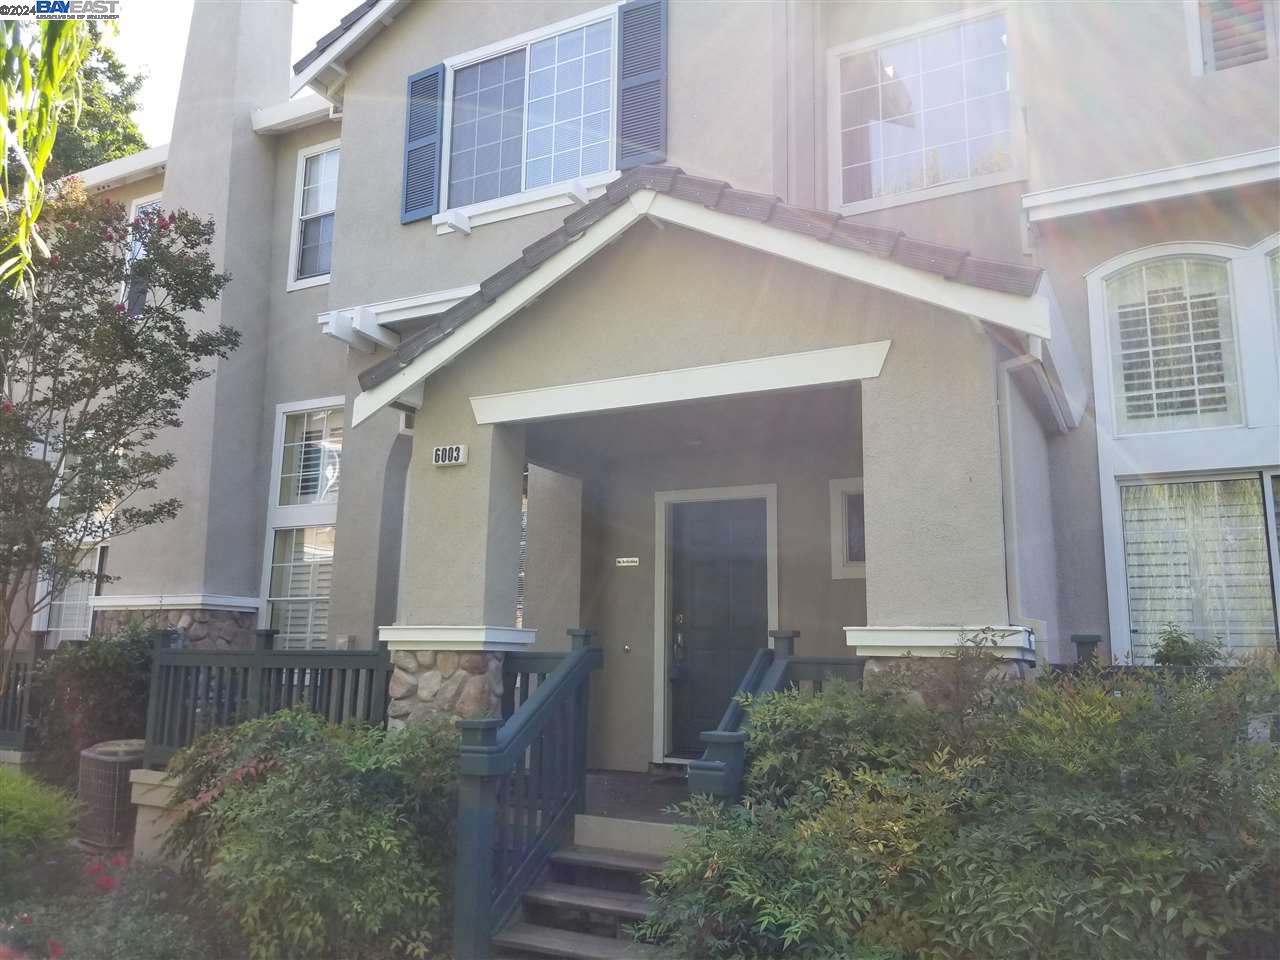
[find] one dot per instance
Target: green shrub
(89, 692)
(35, 824)
(1176, 647)
(324, 841)
(1095, 817)
(122, 912)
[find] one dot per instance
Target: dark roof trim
(350, 19)
(950, 262)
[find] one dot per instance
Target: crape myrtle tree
(97, 355)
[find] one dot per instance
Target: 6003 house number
(450, 455)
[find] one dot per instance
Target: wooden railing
(15, 699)
(194, 691)
(522, 778)
(720, 769)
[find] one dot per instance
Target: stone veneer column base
(448, 670)
(203, 629)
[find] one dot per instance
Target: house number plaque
(450, 455)
(627, 561)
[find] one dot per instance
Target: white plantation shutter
(1173, 345)
(301, 582)
(1233, 32)
(1196, 555)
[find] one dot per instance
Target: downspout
(1013, 585)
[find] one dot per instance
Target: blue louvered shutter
(642, 83)
(423, 133)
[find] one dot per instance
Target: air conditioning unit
(106, 813)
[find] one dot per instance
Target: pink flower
(94, 866)
(119, 860)
(119, 308)
(56, 949)
(24, 918)
(106, 883)
(9, 953)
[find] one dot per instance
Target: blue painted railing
(720, 770)
(522, 778)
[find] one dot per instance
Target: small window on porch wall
(1197, 557)
(1173, 345)
(301, 582)
(848, 530)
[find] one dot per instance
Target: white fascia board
(177, 601)
(1024, 314)
(291, 115)
(520, 295)
(737, 377)
(367, 327)
(1242, 169)
(114, 173)
(356, 37)
(460, 639)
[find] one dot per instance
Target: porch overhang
(1010, 297)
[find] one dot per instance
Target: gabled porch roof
(1010, 296)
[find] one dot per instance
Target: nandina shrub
(1098, 816)
(323, 840)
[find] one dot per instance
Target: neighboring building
(874, 321)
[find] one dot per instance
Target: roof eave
(325, 74)
(115, 173)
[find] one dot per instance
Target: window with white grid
(318, 200)
(310, 466)
(71, 611)
(1196, 556)
(538, 114)
(301, 582)
(925, 111)
(1173, 345)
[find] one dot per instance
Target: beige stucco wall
(128, 192)
(553, 563)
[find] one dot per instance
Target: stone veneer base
(203, 629)
(431, 683)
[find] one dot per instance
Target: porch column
(456, 616)
(931, 481)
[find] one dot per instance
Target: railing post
(581, 640)
(784, 642)
(263, 640)
(1086, 646)
(477, 815)
(149, 755)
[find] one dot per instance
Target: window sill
(572, 192)
(306, 283)
(930, 193)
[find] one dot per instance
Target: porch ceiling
(708, 427)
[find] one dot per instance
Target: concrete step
(627, 907)
(529, 938)
(634, 836)
(604, 858)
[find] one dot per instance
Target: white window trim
(1017, 132)
(289, 516)
(536, 199)
(291, 270)
(1195, 36)
(141, 201)
(1201, 453)
(841, 567)
(663, 500)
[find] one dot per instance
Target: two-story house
(687, 321)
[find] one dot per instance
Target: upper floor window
(315, 201)
(310, 464)
(1273, 270)
(1234, 32)
(1173, 345)
(923, 111)
(535, 115)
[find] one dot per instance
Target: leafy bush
(90, 692)
(324, 841)
(35, 825)
(1176, 647)
(122, 912)
(1096, 817)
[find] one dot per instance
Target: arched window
(1173, 345)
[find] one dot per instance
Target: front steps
(590, 893)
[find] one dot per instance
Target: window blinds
(1234, 32)
(1196, 556)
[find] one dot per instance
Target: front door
(719, 611)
